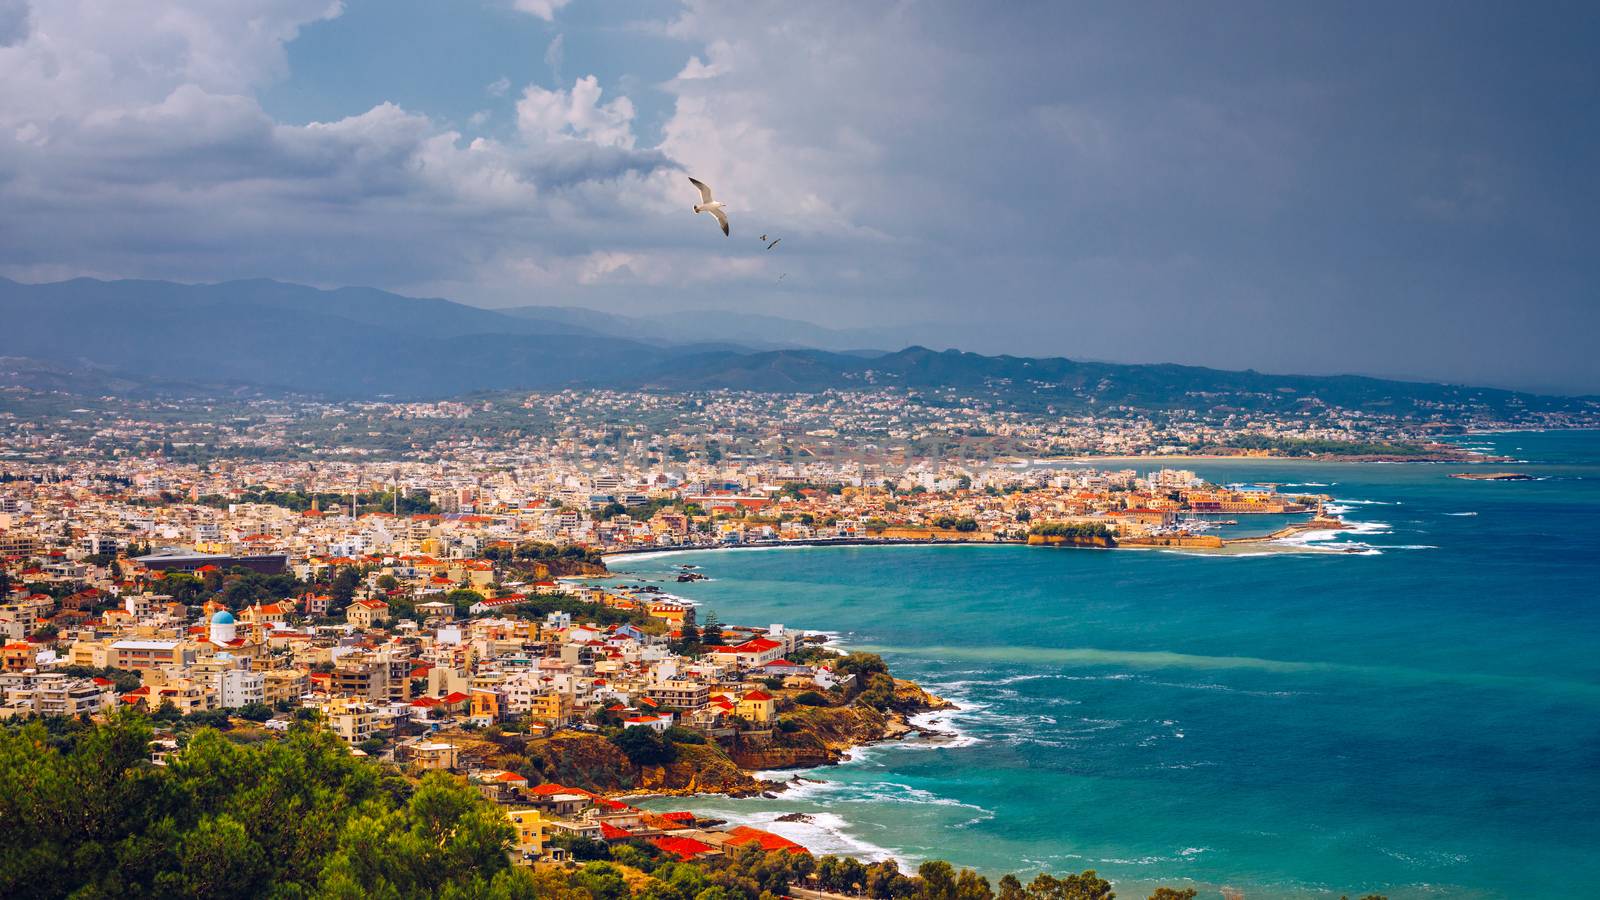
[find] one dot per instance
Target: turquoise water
(1421, 720)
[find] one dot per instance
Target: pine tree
(711, 632)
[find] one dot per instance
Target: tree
(645, 746)
(463, 600)
(218, 859)
(255, 712)
(861, 665)
(444, 835)
(711, 632)
(884, 881)
(343, 590)
(1084, 886)
(1166, 893)
(936, 880)
(602, 880)
(688, 643)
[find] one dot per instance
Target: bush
(811, 698)
(255, 712)
(861, 665)
(210, 718)
(678, 734)
(645, 746)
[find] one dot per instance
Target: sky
(1394, 189)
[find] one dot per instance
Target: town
(442, 615)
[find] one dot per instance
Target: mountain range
(155, 336)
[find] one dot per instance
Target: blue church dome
(222, 617)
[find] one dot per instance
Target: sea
(1420, 718)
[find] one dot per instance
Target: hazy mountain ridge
(1066, 385)
(360, 342)
(755, 331)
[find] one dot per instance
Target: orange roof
(766, 840)
(682, 847)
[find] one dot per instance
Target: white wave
(1461, 514)
(948, 722)
(1295, 484)
(1407, 546)
(1331, 535)
(1220, 688)
(833, 640)
(823, 833)
(1369, 502)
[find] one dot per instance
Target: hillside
(348, 342)
(125, 337)
(1063, 385)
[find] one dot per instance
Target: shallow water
(1422, 721)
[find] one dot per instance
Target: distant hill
(751, 330)
(132, 337)
(1070, 386)
(347, 342)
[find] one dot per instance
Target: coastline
(1463, 458)
(882, 727)
(1256, 541)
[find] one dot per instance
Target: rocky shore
(820, 736)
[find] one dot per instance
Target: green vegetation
(598, 613)
(645, 746)
(83, 814)
(413, 503)
(1320, 446)
(122, 679)
(540, 552)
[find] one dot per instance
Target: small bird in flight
(773, 244)
(783, 276)
(709, 205)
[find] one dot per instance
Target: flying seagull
(773, 244)
(763, 238)
(709, 205)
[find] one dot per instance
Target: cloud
(718, 53)
(554, 55)
(544, 9)
(133, 145)
(15, 21)
(1127, 187)
(577, 113)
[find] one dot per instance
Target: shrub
(645, 746)
(678, 734)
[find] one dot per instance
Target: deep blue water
(1422, 721)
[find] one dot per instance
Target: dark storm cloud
(1296, 187)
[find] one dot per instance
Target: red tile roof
(766, 840)
(682, 847)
